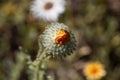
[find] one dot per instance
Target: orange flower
(9, 8)
(94, 71)
(62, 37)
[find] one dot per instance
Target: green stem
(39, 60)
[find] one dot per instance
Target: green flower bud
(58, 40)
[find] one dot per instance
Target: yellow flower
(9, 8)
(94, 71)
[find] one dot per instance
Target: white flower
(58, 39)
(48, 10)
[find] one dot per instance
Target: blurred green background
(96, 25)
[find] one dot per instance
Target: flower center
(94, 71)
(48, 6)
(62, 37)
